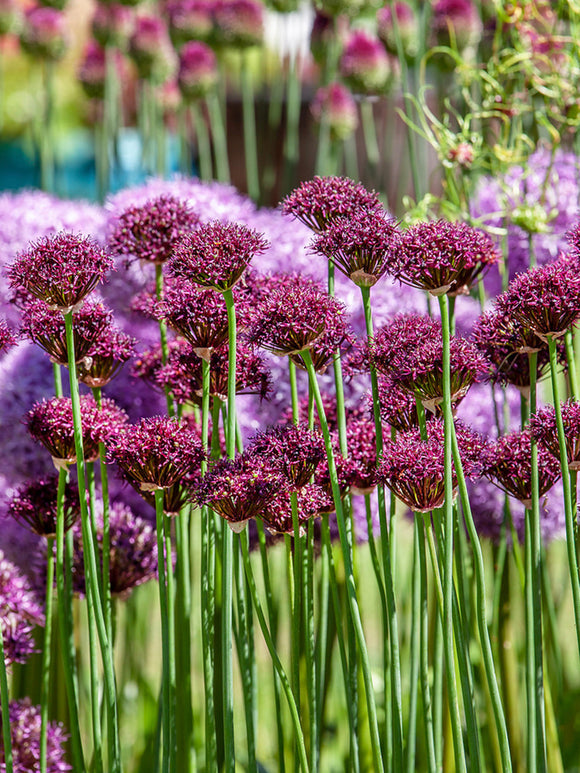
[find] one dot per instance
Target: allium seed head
(198, 72)
(544, 430)
(34, 502)
(312, 501)
(238, 23)
(335, 106)
(294, 449)
(365, 66)
(8, 337)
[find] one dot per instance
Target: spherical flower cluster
(60, 270)
(92, 70)
(400, 336)
(105, 357)
(293, 449)
(190, 21)
(362, 453)
(323, 200)
(7, 336)
(337, 336)
(238, 23)
(335, 106)
(111, 24)
(443, 257)
(311, 501)
(407, 25)
(217, 254)
(365, 65)
(150, 48)
(19, 613)
(544, 429)
(152, 231)
(457, 21)
(362, 246)
(197, 74)
(25, 723)
(35, 503)
(44, 34)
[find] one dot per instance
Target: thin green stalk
(106, 538)
(369, 132)
(310, 646)
(97, 761)
(163, 334)
(45, 679)
(424, 647)
(165, 653)
(571, 362)
(46, 129)
(414, 656)
(170, 589)
(249, 121)
(216, 123)
(349, 579)
(203, 143)
(295, 550)
(293, 109)
(245, 658)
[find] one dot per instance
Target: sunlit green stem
(45, 679)
(216, 122)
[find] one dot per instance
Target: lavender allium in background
(25, 732)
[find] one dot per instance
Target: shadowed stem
(45, 679)
(250, 144)
(165, 650)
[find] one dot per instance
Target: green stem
(293, 108)
(46, 129)
(165, 654)
(245, 658)
(45, 679)
(106, 541)
(249, 120)
(163, 334)
(424, 648)
(218, 133)
(203, 143)
(170, 585)
(414, 655)
(369, 132)
(571, 362)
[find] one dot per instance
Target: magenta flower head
(507, 463)
(335, 106)
(337, 335)
(546, 298)
(8, 337)
(324, 200)
(456, 21)
(399, 337)
(197, 74)
(190, 21)
(362, 246)
(112, 24)
(544, 430)
(312, 501)
(217, 254)
(34, 503)
(408, 28)
(19, 613)
(50, 422)
(105, 357)
(92, 70)
(294, 450)
(362, 453)
(443, 257)
(293, 316)
(397, 405)
(44, 34)
(151, 50)
(25, 723)
(60, 270)
(365, 65)
(238, 23)
(151, 232)
(414, 469)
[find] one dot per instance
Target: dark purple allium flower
(337, 336)
(362, 246)
(44, 34)
(408, 28)
(365, 65)
(507, 463)
(294, 315)
(238, 23)
(19, 613)
(105, 357)
(327, 32)
(545, 299)
(400, 337)
(35, 503)
(414, 469)
(335, 106)
(112, 24)
(312, 501)
(197, 74)
(93, 70)
(544, 430)
(8, 337)
(456, 20)
(25, 723)
(397, 405)
(147, 364)
(217, 254)
(323, 200)
(132, 554)
(362, 453)
(293, 449)
(443, 257)
(190, 21)
(344, 471)
(240, 489)
(150, 48)
(151, 232)
(50, 422)
(60, 270)
(46, 328)
(157, 453)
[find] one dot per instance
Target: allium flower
(457, 18)
(335, 106)
(105, 357)
(50, 422)
(362, 453)
(112, 24)
(414, 469)
(190, 21)
(293, 449)
(60, 270)
(337, 336)
(323, 200)
(217, 254)
(545, 299)
(399, 337)
(365, 65)
(44, 34)
(397, 405)
(361, 246)
(240, 489)
(151, 50)
(35, 503)
(93, 70)
(25, 723)
(443, 257)
(312, 501)
(408, 28)
(19, 613)
(151, 232)
(544, 430)
(7, 336)
(148, 363)
(197, 74)
(238, 23)
(293, 316)
(507, 463)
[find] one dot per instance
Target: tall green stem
(45, 680)
(250, 142)
(218, 133)
(203, 143)
(165, 651)
(424, 649)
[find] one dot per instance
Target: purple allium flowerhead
(408, 28)
(362, 246)
(44, 34)
(238, 23)
(414, 469)
(197, 74)
(546, 298)
(443, 257)
(105, 357)
(544, 430)
(458, 21)
(151, 50)
(93, 69)
(46, 328)
(337, 336)
(8, 337)
(152, 231)
(60, 270)
(34, 503)
(112, 24)
(364, 65)
(312, 501)
(217, 254)
(19, 612)
(399, 337)
(293, 449)
(327, 32)
(362, 453)
(294, 315)
(50, 422)
(148, 363)
(189, 21)
(507, 463)
(324, 200)
(25, 723)
(240, 489)
(335, 106)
